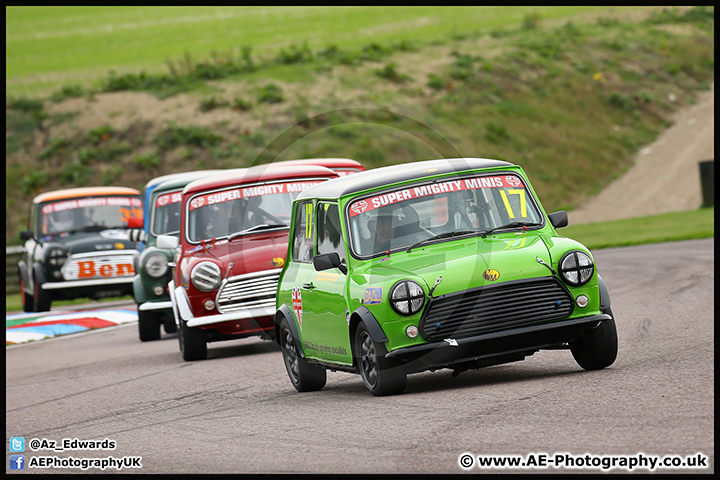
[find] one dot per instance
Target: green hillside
(569, 94)
(50, 46)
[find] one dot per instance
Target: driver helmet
(62, 220)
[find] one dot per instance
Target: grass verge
(666, 227)
(14, 304)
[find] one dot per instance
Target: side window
(302, 241)
(33, 223)
(329, 232)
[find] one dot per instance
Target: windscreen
(400, 218)
(92, 213)
(241, 210)
(166, 213)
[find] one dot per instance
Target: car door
(325, 314)
(300, 264)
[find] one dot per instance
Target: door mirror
(326, 261)
(167, 242)
(134, 222)
(559, 219)
(26, 235)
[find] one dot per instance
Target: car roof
(376, 177)
(331, 163)
(180, 180)
(84, 192)
(258, 173)
(177, 175)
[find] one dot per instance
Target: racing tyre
(192, 342)
(42, 299)
(28, 302)
(597, 348)
(381, 377)
(169, 324)
(304, 376)
(148, 326)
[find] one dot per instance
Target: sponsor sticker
(513, 181)
(491, 275)
(373, 295)
(197, 203)
(329, 276)
(247, 192)
(92, 269)
(168, 198)
(297, 304)
(92, 202)
(372, 203)
(359, 207)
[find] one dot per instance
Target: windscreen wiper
(509, 225)
(439, 236)
(262, 226)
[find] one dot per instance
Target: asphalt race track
(238, 413)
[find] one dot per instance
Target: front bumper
(493, 348)
(165, 305)
(95, 282)
(183, 305)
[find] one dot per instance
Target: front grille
(108, 264)
(244, 292)
(494, 308)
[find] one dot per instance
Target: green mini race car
(153, 270)
(436, 264)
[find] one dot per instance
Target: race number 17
(523, 203)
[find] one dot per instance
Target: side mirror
(326, 261)
(559, 219)
(26, 235)
(134, 222)
(167, 242)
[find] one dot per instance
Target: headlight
(576, 268)
(205, 276)
(56, 257)
(407, 297)
(156, 265)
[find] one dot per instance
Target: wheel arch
(22, 271)
(38, 274)
(285, 313)
(604, 294)
(364, 315)
(138, 291)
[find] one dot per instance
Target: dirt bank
(665, 176)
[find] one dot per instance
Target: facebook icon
(17, 462)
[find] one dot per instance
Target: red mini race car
(231, 249)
